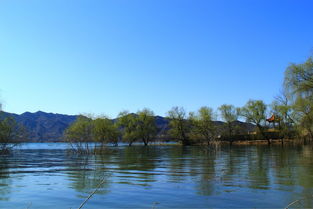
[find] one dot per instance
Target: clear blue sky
(104, 56)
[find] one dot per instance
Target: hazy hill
(48, 127)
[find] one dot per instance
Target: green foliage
(255, 112)
(105, 131)
(145, 125)
(140, 126)
(85, 130)
(179, 125)
(284, 114)
(299, 78)
(11, 134)
(127, 122)
(299, 85)
(202, 124)
(229, 115)
(80, 132)
(304, 115)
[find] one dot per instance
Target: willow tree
(304, 114)
(128, 124)
(299, 79)
(255, 112)
(298, 83)
(11, 134)
(179, 125)
(80, 133)
(105, 131)
(229, 115)
(203, 126)
(284, 113)
(139, 126)
(146, 128)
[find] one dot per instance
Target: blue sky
(104, 56)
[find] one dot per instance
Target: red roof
(271, 119)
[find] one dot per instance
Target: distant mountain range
(42, 126)
(49, 127)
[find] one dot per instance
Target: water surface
(48, 176)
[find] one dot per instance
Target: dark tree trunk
(264, 136)
(186, 142)
(310, 133)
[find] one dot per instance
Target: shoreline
(224, 142)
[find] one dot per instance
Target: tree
(105, 131)
(229, 115)
(284, 114)
(139, 126)
(299, 78)
(80, 133)
(298, 84)
(128, 123)
(202, 124)
(145, 125)
(255, 112)
(11, 133)
(179, 125)
(304, 114)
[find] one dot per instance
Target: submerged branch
(97, 188)
(294, 202)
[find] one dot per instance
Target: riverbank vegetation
(289, 116)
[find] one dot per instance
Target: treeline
(187, 128)
(292, 110)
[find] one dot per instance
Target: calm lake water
(47, 176)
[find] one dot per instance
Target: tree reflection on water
(244, 175)
(86, 172)
(5, 180)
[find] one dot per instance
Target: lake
(48, 176)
